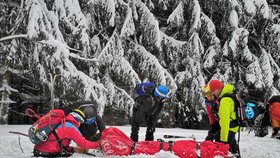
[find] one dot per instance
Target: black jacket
(90, 131)
(146, 109)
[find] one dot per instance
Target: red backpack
(46, 124)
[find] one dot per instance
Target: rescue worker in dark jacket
(146, 110)
(93, 123)
(93, 126)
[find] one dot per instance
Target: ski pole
(19, 133)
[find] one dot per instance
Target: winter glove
(151, 129)
(96, 137)
(70, 149)
(80, 150)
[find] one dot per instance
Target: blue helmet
(250, 114)
(162, 92)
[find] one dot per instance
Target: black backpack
(244, 108)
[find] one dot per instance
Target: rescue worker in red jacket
(273, 105)
(66, 132)
(212, 107)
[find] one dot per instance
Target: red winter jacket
(66, 132)
(210, 105)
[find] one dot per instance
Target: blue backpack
(145, 88)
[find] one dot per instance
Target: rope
(20, 144)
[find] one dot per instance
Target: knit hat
(162, 91)
(215, 84)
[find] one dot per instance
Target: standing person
(226, 112)
(212, 107)
(65, 132)
(146, 110)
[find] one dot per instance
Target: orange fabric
(275, 123)
(274, 111)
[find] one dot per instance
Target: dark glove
(70, 149)
(96, 137)
(151, 129)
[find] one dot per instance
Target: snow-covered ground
(251, 146)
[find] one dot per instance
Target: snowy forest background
(54, 53)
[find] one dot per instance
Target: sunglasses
(90, 121)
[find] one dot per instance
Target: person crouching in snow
(92, 124)
(212, 106)
(65, 132)
(146, 110)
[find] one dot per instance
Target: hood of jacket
(228, 88)
(72, 120)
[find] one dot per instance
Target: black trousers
(135, 131)
(233, 146)
(214, 132)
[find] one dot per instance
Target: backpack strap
(57, 138)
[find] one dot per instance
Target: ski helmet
(78, 115)
(162, 92)
(90, 111)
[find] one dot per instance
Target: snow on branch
(195, 47)
(179, 18)
(174, 51)
(149, 26)
(128, 27)
(113, 48)
(254, 75)
(13, 37)
(150, 66)
(42, 23)
(176, 18)
(72, 18)
(69, 71)
(208, 31)
(105, 9)
(123, 70)
(266, 68)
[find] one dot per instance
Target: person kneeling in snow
(65, 132)
(92, 125)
